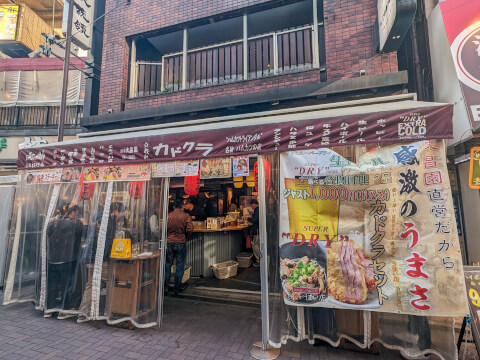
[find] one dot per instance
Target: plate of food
(350, 282)
(303, 280)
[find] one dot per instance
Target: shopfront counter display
(132, 279)
(211, 246)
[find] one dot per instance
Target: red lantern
(268, 175)
(192, 184)
(136, 189)
(85, 189)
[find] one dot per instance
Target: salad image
(303, 279)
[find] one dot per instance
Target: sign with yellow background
(8, 21)
(372, 232)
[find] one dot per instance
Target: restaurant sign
(379, 127)
(463, 31)
(378, 234)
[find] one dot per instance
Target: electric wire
(90, 75)
(122, 2)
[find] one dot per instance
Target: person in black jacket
(64, 237)
(255, 220)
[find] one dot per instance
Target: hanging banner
(179, 168)
(137, 172)
(53, 176)
(405, 125)
(462, 25)
(216, 168)
(241, 166)
(378, 234)
(474, 174)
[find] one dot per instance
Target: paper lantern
(136, 189)
(268, 175)
(192, 184)
(85, 189)
(238, 182)
(250, 180)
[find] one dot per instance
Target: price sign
(472, 283)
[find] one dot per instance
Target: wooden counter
(135, 286)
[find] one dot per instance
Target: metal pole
(245, 47)
(261, 350)
(185, 59)
(315, 48)
(133, 70)
(263, 253)
(66, 67)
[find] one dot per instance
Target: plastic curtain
(60, 245)
(39, 88)
(413, 335)
(132, 289)
(7, 193)
(23, 266)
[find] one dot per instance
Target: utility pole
(66, 67)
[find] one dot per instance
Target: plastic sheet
(61, 254)
(7, 193)
(24, 242)
(39, 88)
(413, 335)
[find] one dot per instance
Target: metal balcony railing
(38, 116)
(269, 54)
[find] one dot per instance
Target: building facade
(242, 56)
(30, 106)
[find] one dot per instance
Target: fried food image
(301, 277)
(350, 278)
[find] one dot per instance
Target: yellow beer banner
(378, 233)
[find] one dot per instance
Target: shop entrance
(220, 250)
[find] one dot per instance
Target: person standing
(154, 224)
(255, 221)
(64, 237)
(179, 226)
(195, 211)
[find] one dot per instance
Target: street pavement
(191, 330)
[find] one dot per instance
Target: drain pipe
(416, 62)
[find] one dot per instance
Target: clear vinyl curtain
(7, 193)
(60, 244)
(23, 264)
(414, 335)
(133, 285)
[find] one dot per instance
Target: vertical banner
(462, 24)
(378, 234)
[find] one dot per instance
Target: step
(221, 295)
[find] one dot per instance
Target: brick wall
(348, 42)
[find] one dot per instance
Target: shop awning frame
(377, 120)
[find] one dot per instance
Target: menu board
(51, 176)
(179, 168)
(216, 168)
(378, 234)
(137, 172)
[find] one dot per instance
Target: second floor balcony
(272, 42)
